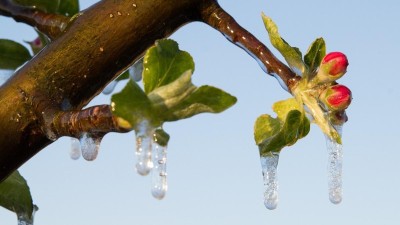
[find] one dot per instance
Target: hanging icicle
(143, 148)
(159, 172)
(89, 146)
(269, 165)
(75, 152)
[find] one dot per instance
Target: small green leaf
(68, 7)
(44, 5)
(273, 134)
(164, 63)
(15, 195)
(132, 104)
(291, 54)
(123, 76)
(203, 99)
(12, 54)
(314, 55)
(64, 7)
(161, 137)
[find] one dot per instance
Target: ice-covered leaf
(164, 63)
(132, 104)
(16, 196)
(273, 134)
(12, 54)
(203, 99)
(314, 55)
(291, 54)
(161, 137)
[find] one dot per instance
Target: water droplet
(335, 161)
(110, 87)
(260, 63)
(269, 165)
(75, 152)
(159, 172)
(119, 13)
(89, 146)
(111, 15)
(143, 148)
(136, 70)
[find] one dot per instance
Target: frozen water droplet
(75, 152)
(159, 172)
(143, 148)
(269, 166)
(335, 161)
(110, 87)
(260, 63)
(89, 146)
(136, 70)
(24, 219)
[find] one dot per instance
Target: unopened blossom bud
(336, 97)
(36, 45)
(332, 67)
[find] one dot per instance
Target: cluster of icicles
(269, 166)
(150, 156)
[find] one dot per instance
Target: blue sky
(214, 172)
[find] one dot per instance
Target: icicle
(89, 146)
(110, 87)
(143, 148)
(269, 166)
(159, 171)
(135, 71)
(75, 152)
(24, 219)
(335, 161)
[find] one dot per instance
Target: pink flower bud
(332, 67)
(336, 97)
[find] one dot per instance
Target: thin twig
(49, 24)
(96, 119)
(216, 17)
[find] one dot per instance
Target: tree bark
(94, 49)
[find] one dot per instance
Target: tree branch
(216, 17)
(49, 24)
(96, 119)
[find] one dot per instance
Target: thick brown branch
(216, 17)
(49, 24)
(96, 119)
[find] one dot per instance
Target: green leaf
(64, 7)
(161, 137)
(203, 99)
(164, 63)
(49, 6)
(273, 134)
(68, 7)
(314, 55)
(132, 104)
(15, 196)
(123, 76)
(12, 54)
(291, 54)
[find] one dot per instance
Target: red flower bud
(336, 97)
(332, 67)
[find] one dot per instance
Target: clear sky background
(214, 173)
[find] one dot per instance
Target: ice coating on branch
(75, 152)
(143, 148)
(335, 161)
(89, 146)
(110, 87)
(159, 172)
(269, 165)
(136, 70)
